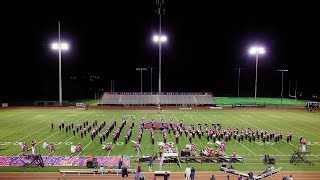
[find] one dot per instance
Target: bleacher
(94, 171)
(256, 177)
(168, 98)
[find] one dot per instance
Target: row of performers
(78, 127)
(227, 134)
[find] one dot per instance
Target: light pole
(239, 70)
(141, 69)
(60, 46)
(282, 73)
(256, 51)
(151, 76)
(160, 38)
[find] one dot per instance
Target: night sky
(206, 42)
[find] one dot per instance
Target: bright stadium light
(64, 46)
(60, 46)
(159, 38)
(162, 38)
(256, 51)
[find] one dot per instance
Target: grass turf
(27, 125)
(228, 101)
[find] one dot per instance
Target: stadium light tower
(256, 51)
(239, 70)
(160, 38)
(151, 76)
(141, 69)
(60, 46)
(282, 72)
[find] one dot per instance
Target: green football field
(27, 125)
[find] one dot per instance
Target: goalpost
(295, 91)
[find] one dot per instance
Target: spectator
(290, 178)
(136, 175)
(139, 167)
(101, 169)
(230, 169)
(193, 173)
(212, 178)
(154, 177)
(150, 163)
(120, 164)
(228, 178)
(142, 177)
(165, 176)
(124, 172)
(223, 166)
(160, 163)
(250, 174)
(188, 173)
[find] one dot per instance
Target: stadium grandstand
(153, 99)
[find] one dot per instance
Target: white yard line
(59, 131)
(41, 141)
(26, 119)
(28, 134)
(290, 126)
(275, 149)
(84, 148)
(110, 151)
(268, 124)
(71, 136)
(303, 117)
(91, 141)
(230, 124)
(247, 149)
(298, 148)
(243, 121)
(14, 114)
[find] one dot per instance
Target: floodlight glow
(64, 46)
(54, 46)
(155, 38)
(162, 38)
(257, 50)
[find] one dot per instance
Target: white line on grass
(175, 117)
(111, 148)
(275, 149)
(12, 115)
(27, 135)
(84, 148)
(16, 117)
(298, 148)
(248, 149)
(91, 141)
(42, 140)
(290, 126)
(303, 117)
(230, 124)
(6, 127)
(71, 136)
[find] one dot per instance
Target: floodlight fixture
(256, 50)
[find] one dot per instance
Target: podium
(36, 160)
